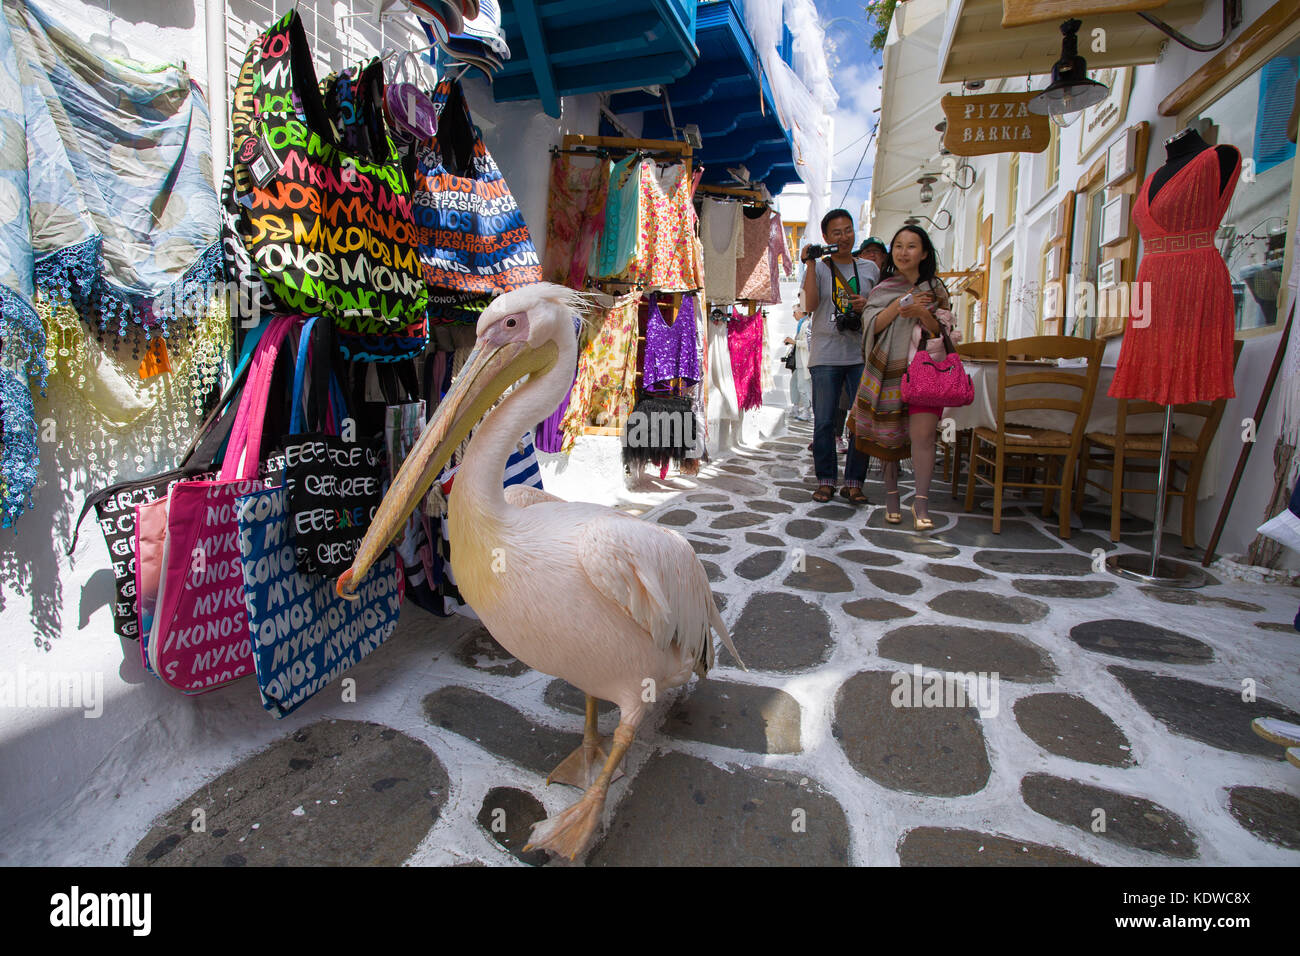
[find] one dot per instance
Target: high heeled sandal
(893, 517)
(920, 524)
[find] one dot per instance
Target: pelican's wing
(654, 575)
(523, 496)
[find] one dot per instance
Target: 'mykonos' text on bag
(331, 232)
(303, 634)
(472, 236)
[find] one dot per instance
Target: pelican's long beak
(488, 372)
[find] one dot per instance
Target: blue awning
(564, 47)
(728, 97)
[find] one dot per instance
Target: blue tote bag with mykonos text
(304, 635)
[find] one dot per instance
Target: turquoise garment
(106, 205)
(618, 241)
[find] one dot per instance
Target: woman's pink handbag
(199, 637)
(941, 384)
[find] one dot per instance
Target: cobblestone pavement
(1103, 722)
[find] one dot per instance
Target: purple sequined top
(671, 351)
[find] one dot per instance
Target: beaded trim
(23, 356)
(74, 277)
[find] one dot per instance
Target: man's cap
(873, 241)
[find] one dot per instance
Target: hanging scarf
(879, 421)
(106, 205)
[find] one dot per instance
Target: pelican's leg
(580, 768)
(570, 831)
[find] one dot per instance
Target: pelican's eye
(511, 322)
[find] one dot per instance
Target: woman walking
(904, 312)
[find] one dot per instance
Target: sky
(855, 73)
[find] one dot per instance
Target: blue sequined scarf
(106, 204)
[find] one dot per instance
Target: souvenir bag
(942, 384)
(198, 638)
(303, 634)
(409, 108)
(473, 240)
(330, 231)
(332, 487)
(115, 506)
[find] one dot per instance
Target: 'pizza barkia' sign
(994, 123)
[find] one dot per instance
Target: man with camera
(835, 286)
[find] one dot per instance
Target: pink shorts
(924, 410)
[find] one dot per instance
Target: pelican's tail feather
(715, 619)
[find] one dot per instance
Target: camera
(815, 251)
(848, 322)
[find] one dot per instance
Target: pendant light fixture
(1070, 91)
(927, 189)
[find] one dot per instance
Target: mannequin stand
(1153, 569)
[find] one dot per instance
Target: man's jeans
(828, 381)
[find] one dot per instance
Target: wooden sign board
(994, 123)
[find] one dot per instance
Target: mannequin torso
(1181, 150)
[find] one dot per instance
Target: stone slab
(683, 811)
(781, 632)
(1271, 815)
(973, 605)
(562, 695)
(480, 651)
(1058, 563)
(957, 573)
(763, 720)
(910, 543)
(941, 846)
(964, 650)
(820, 575)
(1073, 588)
(932, 750)
(507, 816)
(875, 559)
(1137, 641)
(1130, 821)
(877, 609)
(761, 565)
(499, 728)
(677, 518)
(1069, 726)
(894, 582)
(309, 799)
(1213, 715)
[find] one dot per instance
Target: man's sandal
(823, 493)
(854, 496)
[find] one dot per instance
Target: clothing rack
(622, 145)
(756, 196)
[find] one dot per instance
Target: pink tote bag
(199, 637)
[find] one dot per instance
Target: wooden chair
(1126, 451)
(1057, 451)
(952, 454)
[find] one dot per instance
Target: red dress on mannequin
(1184, 354)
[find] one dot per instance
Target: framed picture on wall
(1108, 273)
(1100, 121)
(1053, 267)
(1114, 220)
(1121, 158)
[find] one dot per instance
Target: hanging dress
(617, 246)
(671, 351)
(722, 233)
(1184, 353)
(605, 387)
(574, 220)
(745, 343)
(668, 252)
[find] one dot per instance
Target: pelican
(616, 606)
